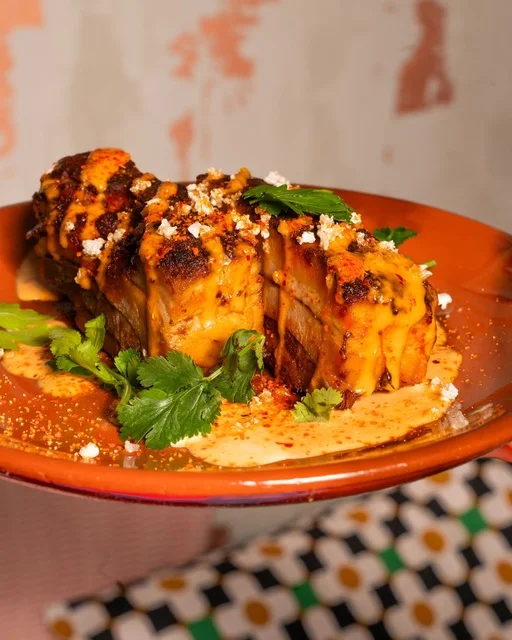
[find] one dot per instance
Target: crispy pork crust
(175, 267)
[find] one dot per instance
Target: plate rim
(251, 486)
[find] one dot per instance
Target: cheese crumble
(116, 236)
(69, 226)
(93, 247)
(140, 185)
(131, 447)
(444, 299)
(215, 174)
(355, 218)
(448, 391)
(166, 229)
(308, 237)
(197, 229)
(89, 451)
(424, 272)
(328, 231)
(277, 180)
(388, 245)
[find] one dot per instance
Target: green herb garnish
(317, 405)
(429, 264)
(398, 235)
(277, 200)
(24, 326)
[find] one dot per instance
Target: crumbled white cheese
(89, 451)
(217, 197)
(166, 229)
(215, 174)
(154, 201)
(93, 247)
(243, 222)
(277, 180)
(203, 206)
(360, 238)
(193, 192)
(355, 218)
(131, 447)
(328, 231)
(308, 237)
(140, 185)
(388, 245)
(448, 391)
(196, 229)
(116, 236)
(265, 231)
(424, 272)
(444, 300)
(69, 226)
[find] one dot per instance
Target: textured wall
(403, 97)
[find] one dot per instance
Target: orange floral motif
(423, 81)
(216, 44)
(19, 13)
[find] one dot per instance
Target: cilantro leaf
(398, 235)
(64, 340)
(12, 317)
(169, 374)
(127, 363)
(7, 341)
(243, 357)
(317, 405)
(163, 419)
(276, 200)
(95, 331)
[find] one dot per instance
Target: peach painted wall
(404, 97)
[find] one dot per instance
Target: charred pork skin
(183, 267)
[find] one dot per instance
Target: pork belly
(183, 267)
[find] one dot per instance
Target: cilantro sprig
(276, 200)
(24, 326)
(398, 235)
(317, 405)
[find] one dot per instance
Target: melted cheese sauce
(263, 432)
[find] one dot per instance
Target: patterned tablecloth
(431, 559)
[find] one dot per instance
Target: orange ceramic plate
(475, 267)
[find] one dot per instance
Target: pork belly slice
(183, 267)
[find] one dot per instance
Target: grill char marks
(184, 267)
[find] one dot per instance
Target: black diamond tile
(398, 496)
(386, 596)
(466, 594)
(106, 634)
(395, 525)
(478, 486)
(225, 567)
(470, 557)
(216, 596)
(316, 533)
(355, 544)
(429, 577)
(435, 507)
(311, 562)
(161, 618)
(379, 631)
(460, 631)
(502, 611)
(266, 578)
(343, 615)
(117, 606)
(296, 631)
(507, 534)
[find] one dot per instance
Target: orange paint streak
(217, 45)
(19, 13)
(423, 81)
(185, 47)
(182, 134)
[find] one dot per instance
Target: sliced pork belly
(175, 267)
